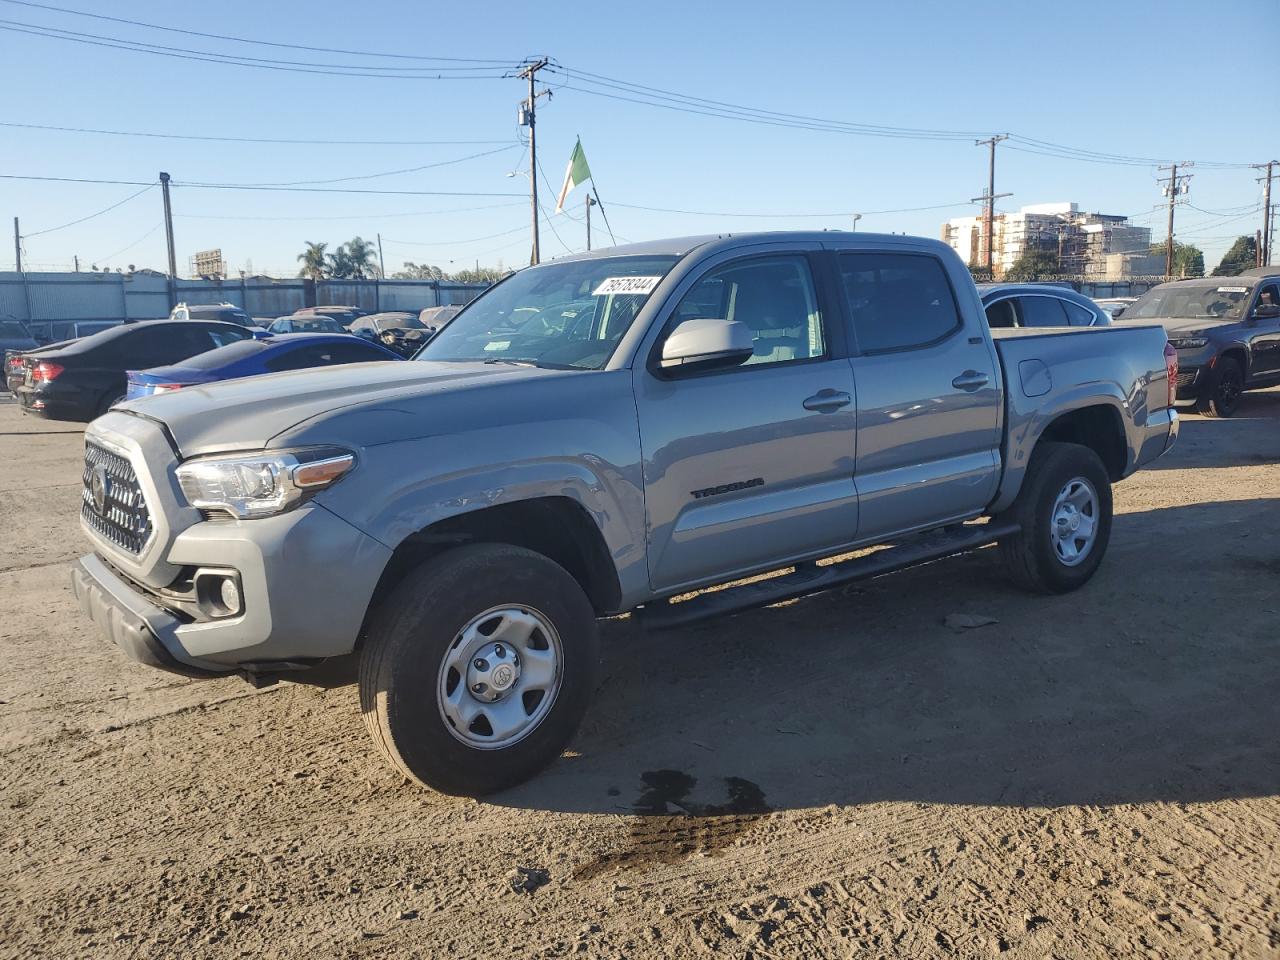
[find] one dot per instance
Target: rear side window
(898, 301)
(324, 355)
(1042, 312)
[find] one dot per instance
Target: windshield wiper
(514, 363)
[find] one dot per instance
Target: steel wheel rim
(1229, 390)
(1073, 523)
(500, 677)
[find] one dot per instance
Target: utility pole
(856, 218)
(17, 247)
(168, 235)
(991, 197)
(528, 118)
(76, 258)
(1264, 248)
(590, 203)
(1178, 185)
(382, 264)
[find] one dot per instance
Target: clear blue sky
(1167, 80)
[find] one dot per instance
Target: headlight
(262, 484)
(1188, 343)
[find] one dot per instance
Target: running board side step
(810, 578)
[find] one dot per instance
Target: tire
(1064, 482)
(1221, 397)
(465, 607)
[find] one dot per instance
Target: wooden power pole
(1178, 185)
(168, 236)
(1264, 246)
(529, 118)
(990, 197)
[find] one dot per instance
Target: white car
(1114, 305)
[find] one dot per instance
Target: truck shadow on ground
(1134, 689)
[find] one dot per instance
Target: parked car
(669, 416)
(250, 358)
(225, 312)
(343, 314)
(306, 323)
(1115, 306)
(398, 330)
(1039, 305)
(435, 319)
(82, 379)
(1226, 331)
(15, 338)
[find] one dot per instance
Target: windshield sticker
(637, 285)
(1233, 289)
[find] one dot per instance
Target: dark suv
(1226, 331)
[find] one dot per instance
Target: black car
(80, 380)
(224, 312)
(1039, 305)
(1226, 331)
(343, 314)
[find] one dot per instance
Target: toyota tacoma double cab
(602, 434)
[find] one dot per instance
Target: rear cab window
(898, 301)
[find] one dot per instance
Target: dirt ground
(1092, 775)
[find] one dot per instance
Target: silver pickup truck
(599, 435)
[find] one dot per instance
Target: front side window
(898, 301)
(773, 296)
(1000, 314)
(562, 315)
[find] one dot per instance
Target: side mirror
(1266, 311)
(707, 345)
(1118, 314)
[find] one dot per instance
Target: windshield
(1211, 301)
(564, 315)
(400, 321)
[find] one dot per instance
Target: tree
(419, 271)
(1033, 265)
(360, 255)
(1242, 256)
(481, 274)
(314, 263)
(1188, 259)
(339, 264)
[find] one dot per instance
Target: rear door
(928, 390)
(750, 466)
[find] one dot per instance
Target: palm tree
(360, 257)
(314, 264)
(339, 264)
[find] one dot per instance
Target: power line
(262, 43)
(129, 247)
(788, 216)
(209, 139)
(242, 186)
(446, 243)
(119, 203)
(351, 216)
(115, 43)
(386, 173)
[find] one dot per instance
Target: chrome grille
(120, 514)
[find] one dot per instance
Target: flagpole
(596, 191)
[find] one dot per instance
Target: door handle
(827, 400)
(970, 380)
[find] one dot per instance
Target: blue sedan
(249, 358)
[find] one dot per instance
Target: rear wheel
(478, 668)
(1221, 397)
(1064, 511)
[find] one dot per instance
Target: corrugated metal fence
(52, 302)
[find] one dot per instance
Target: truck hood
(247, 414)
(1176, 326)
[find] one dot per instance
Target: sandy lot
(844, 776)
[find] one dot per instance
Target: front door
(750, 466)
(929, 397)
(1263, 331)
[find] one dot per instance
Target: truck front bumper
(306, 578)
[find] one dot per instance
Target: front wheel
(1221, 397)
(1064, 511)
(478, 668)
